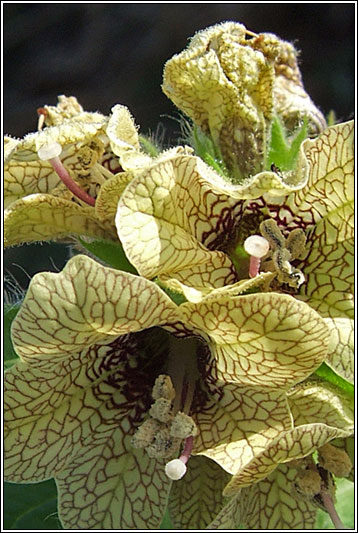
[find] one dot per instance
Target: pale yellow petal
(110, 485)
(161, 219)
(327, 199)
(197, 497)
(109, 195)
(314, 401)
(229, 516)
(23, 178)
(239, 423)
(267, 505)
(73, 419)
(68, 109)
(84, 304)
(329, 278)
(294, 444)
(42, 217)
(270, 504)
(124, 140)
(67, 133)
(266, 339)
(197, 291)
(49, 410)
(341, 347)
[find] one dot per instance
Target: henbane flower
(80, 370)
(135, 401)
(95, 153)
(180, 221)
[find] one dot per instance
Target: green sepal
(10, 356)
(31, 506)
(327, 374)
(149, 146)
(176, 297)
(283, 151)
(208, 151)
(111, 253)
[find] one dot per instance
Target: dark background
(114, 53)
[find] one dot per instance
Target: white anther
(175, 469)
(49, 151)
(256, 246)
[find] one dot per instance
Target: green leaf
(10, 356)
(284, 150)
(344, 507)
(327, 374)
(31, 506)
(111, 253)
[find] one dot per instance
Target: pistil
(176, 468)
(51, 152)
(183, 371)
(257, 247)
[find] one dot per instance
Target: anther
(42, 113)
(257, 247)
(51, 152)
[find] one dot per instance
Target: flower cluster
(194, 375)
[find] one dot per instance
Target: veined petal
(327, 199)
(314, 401)
(239, 424)
(341, 347)
(293, 444)
(41, 217)
(193, 500)
(67, 133)
(164, 214)
(201, 291)
(267, 505)
(84, 304)
(22, 178)
(109, 195)
(266, 339)
(329, 274)
(110, 485)
(229, 516)
(124, 140)
(171, 216)
(270, 504)
(73, 419)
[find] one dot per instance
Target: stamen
(42, 113)
(284, 251)
(257, 247)
(50, 152)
